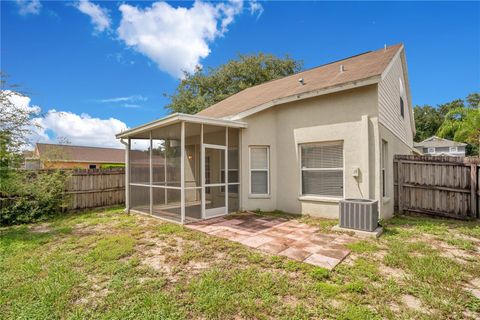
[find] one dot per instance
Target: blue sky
(108, 64)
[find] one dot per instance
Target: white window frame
(453, 149)
(250, 170)
(384, 169)
(430, 150)
(308, 196)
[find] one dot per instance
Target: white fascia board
(179, 117)
(392, 62)
(306, 95)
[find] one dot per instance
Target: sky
(96, 68)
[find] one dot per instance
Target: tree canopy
(458, 120)
(203, 88)
(15, 122)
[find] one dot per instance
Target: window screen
(259, 170)
(322, 169)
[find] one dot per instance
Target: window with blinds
(322, 169)
(259, 170)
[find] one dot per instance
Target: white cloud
(78, 129)
(29, 7)
(98, 15)
(176, 38)
(256, 8)
(20, 101)
(132, 98)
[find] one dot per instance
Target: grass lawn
(106, 264)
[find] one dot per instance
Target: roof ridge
(77, 146)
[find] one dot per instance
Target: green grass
(104, 264)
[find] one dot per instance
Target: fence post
(473, 189)
(400, 187)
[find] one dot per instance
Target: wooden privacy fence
(95, 188)
(440, 186)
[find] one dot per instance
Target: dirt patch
(394, 307)
(85, 229)
(446, 250)
(412, 302)
(41, 228)
(94, 292)
(395, 273)
(474, 287)
(166, 254)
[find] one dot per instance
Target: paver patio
(280, 236)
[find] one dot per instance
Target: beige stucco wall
(395, 145)
(349, 116)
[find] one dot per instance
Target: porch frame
(182, 119)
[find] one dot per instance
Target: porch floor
(279, 236)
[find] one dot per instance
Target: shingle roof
(81, 153)
(356, 68)
(438, 142)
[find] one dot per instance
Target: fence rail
(440, 186)
(95, 188)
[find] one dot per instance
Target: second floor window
(402, 110)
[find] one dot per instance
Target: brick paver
(280, 236)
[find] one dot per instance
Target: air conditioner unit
(359, 214)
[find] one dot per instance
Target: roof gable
(354, 69)
(435, 141)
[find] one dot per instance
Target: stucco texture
(349, 116)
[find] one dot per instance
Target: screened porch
(183, 168)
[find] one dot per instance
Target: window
(402, 111)
(322, 169)
(453, 149)
(259, 170)
(384, 167)
(92, 166)
(431, 150)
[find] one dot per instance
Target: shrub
(31, 196)
(112, 165)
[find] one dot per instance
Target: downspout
(127, 174)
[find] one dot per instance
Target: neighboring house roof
(436, 142)
(316, 81)
(69, 153)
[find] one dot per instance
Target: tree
(463, 125)
(473, 100)
(15, 122)
(427, 122)
(428, 119)
(201, 89)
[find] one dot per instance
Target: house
(297, 144)
(65, 156)
(436, 146)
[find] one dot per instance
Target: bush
(31, 196)
(112, 165)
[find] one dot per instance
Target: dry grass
(105, 264)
